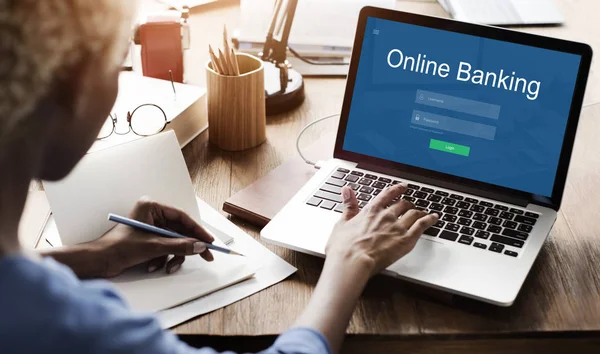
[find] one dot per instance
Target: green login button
(449, 147)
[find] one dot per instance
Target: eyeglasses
(146, 120)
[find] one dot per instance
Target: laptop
(478, 121)
(505, 12)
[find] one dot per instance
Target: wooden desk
(558, 309)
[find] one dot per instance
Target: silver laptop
(478, 121)
(504, 12)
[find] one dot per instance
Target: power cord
(310, 162)
(312, 62)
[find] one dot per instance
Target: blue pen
(164, 233)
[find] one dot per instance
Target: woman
(59, 67)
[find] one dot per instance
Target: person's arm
(124, 247)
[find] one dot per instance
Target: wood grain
(236, 105)
(560, 298)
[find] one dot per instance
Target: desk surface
(561, 294)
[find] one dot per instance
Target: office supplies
(164, 233)
(481, 136)
(113, 180)
(504, 12)
(272, 270)
(186, 113)
(236, 105)
(33, 220)
(162, 50)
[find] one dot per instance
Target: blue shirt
(45, 308)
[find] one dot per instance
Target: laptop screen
(468, 106)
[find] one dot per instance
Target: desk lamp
(284, 86)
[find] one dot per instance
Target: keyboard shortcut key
(452, 227)
(379, 185)
(427, 190)
(507, 241)
(525, 220)
(326, 204)
(331, 189)
(338, 175)
(511, 253)
(364, 197)
(466, 240)
(329, 196)
(336, 182)
(480, 245)
(432, 231)
(343, 170)
(496, 247)
(448, 235)
(482, 234)
(516, 234)
(366, 189)
(314, 201)
(352, 178)
(449, 217)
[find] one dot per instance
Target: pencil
(217, 65)
(164, 233)
(236, 67)
(227, 51)
(224, 63)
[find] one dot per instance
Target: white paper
(316, 22)
(273, 270)
(113, 180)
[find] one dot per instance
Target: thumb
(350, 203)
(179, 247)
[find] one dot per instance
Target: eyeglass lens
(148, 120)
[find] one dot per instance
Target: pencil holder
(236, 105)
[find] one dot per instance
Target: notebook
(112, 180)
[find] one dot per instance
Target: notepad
(112, 181)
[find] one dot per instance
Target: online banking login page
(468, 106)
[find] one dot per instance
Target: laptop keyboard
(466, 220)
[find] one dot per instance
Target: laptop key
(366, 189)
(479, 245)
(379, 185)
(343, 170)
(482, 234)
(409, 192)
(396, 182)
(467, 230)
(439, 224)
(477, 208)
(492, 212)
(338, 175)
(480, 217)
(354, 186)
(495, 247)
(465, 240)
(329, 196)
(432, 231)
(495, 221)
(357, 173)
(479, 225)
(511, 253)
(506, 215)
(457, 197)
(525, 220)
(485, 204)
(452, 227)
(331, 189)
(463, 205)
(362, 204)
(434, 198)
(314, 201)
(510, 224)
(471, 200)
(448, 235)
(420, 195)
(364, 197)
(436, 207)
(516, 234)
(449, 201)
(516, 211)
(525, 228)
(507, 241)
(385, 180)
(494, 229)
(327, 205)
(413, 186)
(427, 190)
(532, 215)
(365, 181)
(464, 221)
(439, 213)
(501, 207)
(352, 178)
(422, 203)
(339, 208)
(376, 192)
(450, 210)
(370, 176)
(465, 213)
(442, 193)
(336, 182)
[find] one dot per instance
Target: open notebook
(111, 181)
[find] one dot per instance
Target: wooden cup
(236, 105)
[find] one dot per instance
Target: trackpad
(429, 257)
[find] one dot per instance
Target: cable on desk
(310, 162)
(312, 62)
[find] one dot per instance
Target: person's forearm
(82, 259)
(334, 299)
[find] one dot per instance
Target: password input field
(453, 125)
(458, 104)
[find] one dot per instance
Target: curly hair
(40, 40)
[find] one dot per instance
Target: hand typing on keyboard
(379, 234)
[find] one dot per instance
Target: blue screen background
(529, 134)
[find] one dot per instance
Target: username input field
(458, 104)
(453, 125)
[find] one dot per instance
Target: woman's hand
(380, 234)
(124, 247)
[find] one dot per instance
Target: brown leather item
(162, 50)
(262, 200)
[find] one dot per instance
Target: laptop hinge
(509, 199)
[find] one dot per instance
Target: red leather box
(162, 50)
